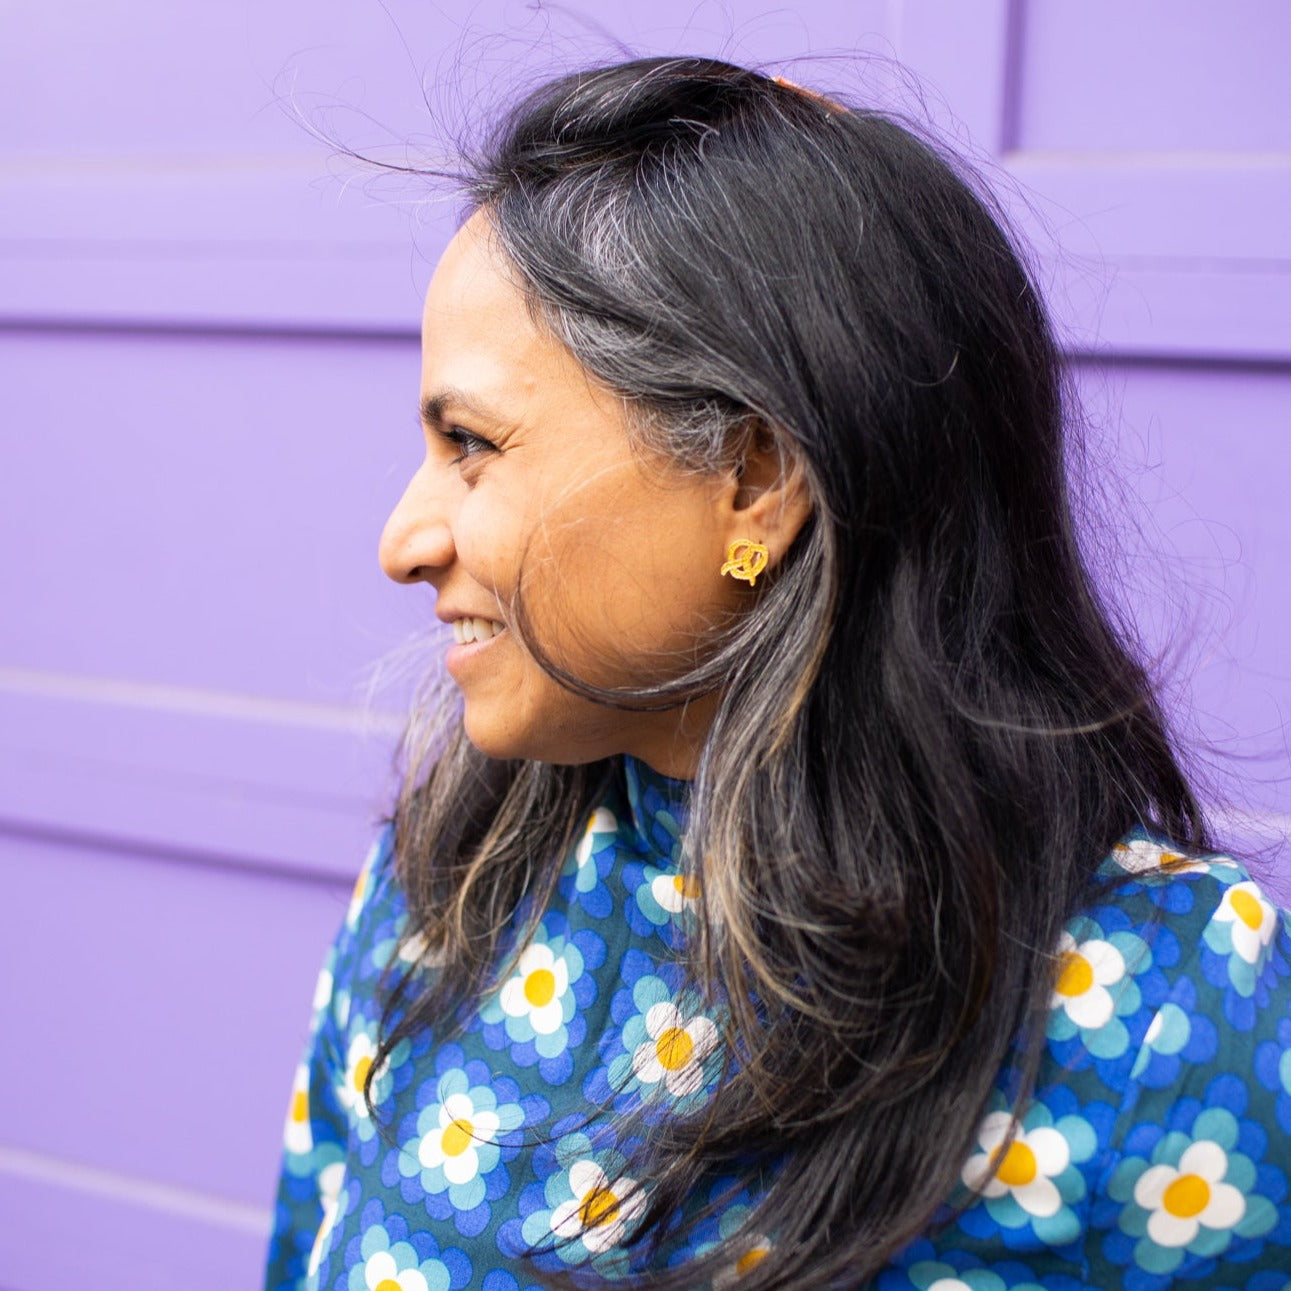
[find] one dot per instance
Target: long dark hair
(930, 732)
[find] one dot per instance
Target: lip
(461, 660)
(448, 613)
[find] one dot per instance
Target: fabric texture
(1156, 1149)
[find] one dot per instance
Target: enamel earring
(745, 560)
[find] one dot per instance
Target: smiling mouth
(466, 631)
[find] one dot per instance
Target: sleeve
(316, 1135)
(1196, 1187)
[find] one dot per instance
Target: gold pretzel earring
(745, 559)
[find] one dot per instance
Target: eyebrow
(433, 406)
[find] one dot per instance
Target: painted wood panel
(165, 1005)
(1143, 154)
(1187, 463)
(1183, 76)
(203, 510)
(66, 1228)
(154, 1080)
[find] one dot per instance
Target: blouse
(1156, 1146)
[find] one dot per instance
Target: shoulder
(1200, 1161)
(1169, 941)
(1157, 1140)
(1179, 881)
(1207, 920)
(375, 879)
(370, 934)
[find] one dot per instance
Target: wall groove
(162, 1198)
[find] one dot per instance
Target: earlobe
(768, 501)
(745, 560)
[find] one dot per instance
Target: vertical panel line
(1012, 70)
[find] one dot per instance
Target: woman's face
(530, 485)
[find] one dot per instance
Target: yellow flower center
(388, 1284)
(540, 987)
(687, 885)
(1075, 976)
(1247, 908)
(1187, 1196)
(458, 1137)
(600, 1206)
(674, 1048)
(361, 1069)
(1018, 1166)
(749, 1259)
(300, 1106)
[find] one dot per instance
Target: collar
(658, 807)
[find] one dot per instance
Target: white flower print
(358, 1063)
(1253, 920)
(600, 1210)
(536, 989)
(601, 821)
(360, 889)
(1085, 971)
(1025, 1169)
(322, 990)
(1183, 1199)
(675, 892)
(381, 1273)
(416, 952)
(299, 1136)
(676, 1049)
(1142, 855)
(330, 1179)
(759, 1248)
(453, 1144)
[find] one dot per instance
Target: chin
(504, 741)
(493, 743)
(536, 741)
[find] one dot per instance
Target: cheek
(490, 540)
(647, 586)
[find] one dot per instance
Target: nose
(417, 541)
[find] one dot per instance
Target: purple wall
(208, 367)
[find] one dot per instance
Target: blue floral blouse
(1156, 1148)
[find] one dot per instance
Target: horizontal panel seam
(1176, 358)
(148, 1194)
(1275, 266)
(195, 702)
(1155, 160)
(89, 321)
(122, 843)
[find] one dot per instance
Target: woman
(792, 903)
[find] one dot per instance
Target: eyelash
(467, 443)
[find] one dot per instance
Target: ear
(766, 498)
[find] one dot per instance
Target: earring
(745, 559)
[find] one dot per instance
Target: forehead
(472, 277)
(477, 331)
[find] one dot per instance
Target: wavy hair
(930, 729)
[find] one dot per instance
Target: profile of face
(530, 485)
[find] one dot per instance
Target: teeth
(467, 630)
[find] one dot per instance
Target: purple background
(208, 366)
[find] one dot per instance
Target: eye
(467, 443)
